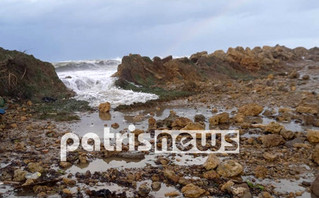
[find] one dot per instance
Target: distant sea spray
(92, 82)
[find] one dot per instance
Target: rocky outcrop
(24, 76)
(236, 63)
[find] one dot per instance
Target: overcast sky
(56, 30)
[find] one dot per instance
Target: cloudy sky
(56, 30)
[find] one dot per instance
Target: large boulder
(222, 118)
(24, 76)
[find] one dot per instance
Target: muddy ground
(278, 120)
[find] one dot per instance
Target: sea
(92, 81)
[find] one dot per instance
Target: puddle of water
(162, 191)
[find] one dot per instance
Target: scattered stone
(315, 187)
(250, 110)
(315, 154)
(229, 168)
(65, 164)
(144, 190)
(241, 191)
(288, 135)
(193, 191)
(222, 118)
(308, 108)
(272, 140)
(210, 175)
(194, 126)
(169, 174)
(265, 194)
(270, 157)
(19, 175)
(261, 172)
(66, 193)
(105, 107)
(83, 159)
(305, 77)
(115, 125)
(274, 127)
(156, 186)
(172, 194)
(151, 123)
(313, 136)
(293, 74)
(69, 182)
(181, 122)
(212, 162)
(199, 118)
(35, 167)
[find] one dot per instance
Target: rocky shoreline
(275, 108)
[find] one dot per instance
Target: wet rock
(293, 74)
(35, 167)
(144, 190)
(105, 107)
(83, 159)
(250, 110)
(315, 188)
(138, 131)
(210, 174)
(65, 164)
(272, 140)
(308, 108)
(212, 162)
(305, 77)
(151, 123)
(313, 136)
(222, 118)
(229, 168)
(28, 182)
(315, 154)
(261, 172)
(172, 194)
(270, 157)
(241, 191)
(138, 118)
(288, 135)
(265, 195)
(180, 122)
(199, 118)
(169, 174)
(69, 182)
(194, 126)
(191, 190)
(105, 116)
(66, 193)
(227, 186)
(156, 186)
(274, 127)
(19, 175)
(115, 125)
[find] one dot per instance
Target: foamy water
(92, 82)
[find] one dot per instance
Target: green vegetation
(61, 110)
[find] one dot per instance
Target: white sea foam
(92, 82)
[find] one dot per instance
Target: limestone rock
(222, 118)
(193, 191)
(212, 162)
(272, 140)
(313, 136)
(229, 168)
(250, 110)
(105, 107)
